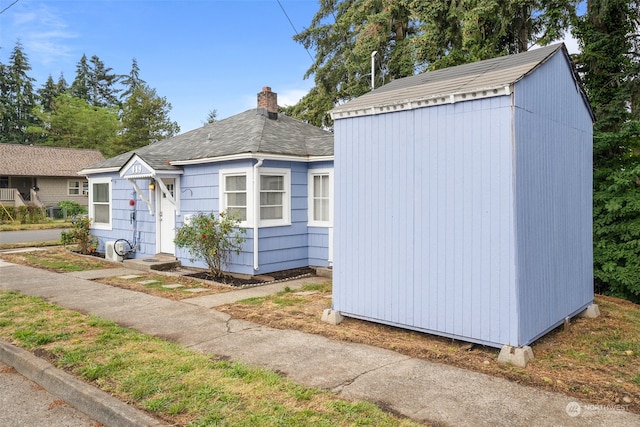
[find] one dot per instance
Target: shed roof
(30, 160)
(491, 77)
(248, 133)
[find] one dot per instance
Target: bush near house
(212, 239)
(72, 208)
(80, 234)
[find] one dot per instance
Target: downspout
(256, 211)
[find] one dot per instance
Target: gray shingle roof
(29, 160)
(247, 132)
(441, 84)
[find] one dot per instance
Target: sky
(200, 55)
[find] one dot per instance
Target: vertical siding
(424, 233)
(553, 147)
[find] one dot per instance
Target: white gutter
(256, 211)
(258, 156)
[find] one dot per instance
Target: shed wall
(424, 230)
(553, 146)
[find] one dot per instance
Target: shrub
(72, 208)
(212, 239)
(79, 234)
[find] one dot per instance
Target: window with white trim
(235, 195)
(100, 202)
(77, 188)
(275, 197)
(238, 196)
(320, 197)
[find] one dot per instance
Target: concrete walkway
(415, 388)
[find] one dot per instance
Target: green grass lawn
(173, 383)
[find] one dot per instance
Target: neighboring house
(43, 176)
(464, 198)
(273, 171)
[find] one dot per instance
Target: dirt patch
(584, 361)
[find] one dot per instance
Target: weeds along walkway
(415, 388)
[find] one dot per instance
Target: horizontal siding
(554, 199)
(423, 221)
(279, 247)
(54, 190)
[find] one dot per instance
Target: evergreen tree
(47, 92)
(132, 81)
(62, 86)
(212, 116)
(102, 81)
(95, 83)
(81, 86)
(413, 35)
(453, 33)
(17, 99)
(609, 64)
(145, 119)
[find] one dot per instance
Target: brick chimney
(268, 103)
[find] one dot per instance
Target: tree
(48, 92)
(343, 34)
(608, 62)
(132, 81)
(145, 119)
(212, 116)
(95, 83)
(73, 123)
(103, 80)
(81, 86)
(17, 99)
(412, 35)
(453, 33)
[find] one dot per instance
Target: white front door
(167, 218)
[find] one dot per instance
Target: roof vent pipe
(373, 69)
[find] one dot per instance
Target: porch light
(152, 185)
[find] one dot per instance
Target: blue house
(272, 171)
(464, 200)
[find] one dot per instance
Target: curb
(95, 403)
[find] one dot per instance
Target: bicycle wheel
(122, 247)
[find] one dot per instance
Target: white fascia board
(245, 156)
(423, 102)
(101, 170)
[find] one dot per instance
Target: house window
(320, 198)
(239, 194)
(100, 202)
(4, 182)
(76, 188)
(235, 196)
(274, 196)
